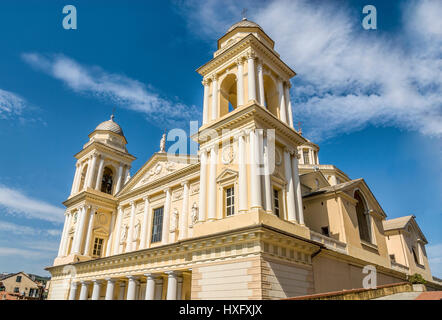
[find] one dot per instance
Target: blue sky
(370, 98)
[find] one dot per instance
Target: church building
(253, 215)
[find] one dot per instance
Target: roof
(334, 188)
(245, 24)
(110, 125)
(397, 223)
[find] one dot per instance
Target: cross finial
(244, 13)
(113, 114)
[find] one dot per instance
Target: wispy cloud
(11, 104)
(347, 77)
(435, 259)
(118, 89)
(21, 230)
(17, 203)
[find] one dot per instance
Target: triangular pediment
(157, 167)
(227, 174)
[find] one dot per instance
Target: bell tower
(102, 168)
(248, 144)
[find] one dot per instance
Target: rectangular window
(98, 246)
(306, 157)
(18, 279)
(31, 292)
(325, 231)
(276, 202)
(230, 201)
(16, 290)
(157, 227)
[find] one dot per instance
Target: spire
(244, 13)
(113, 114)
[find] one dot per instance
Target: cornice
(104, 148)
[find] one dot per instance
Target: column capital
(74, 284)
(251, 54)
(132, 203)
(151, 275)
(84, 282)
(205, 82)
(173, 273)
(135, 278)
(184, 183)
(239, 61)
(110, 279)
(99, 281)
(166, 190)
(146, 198)
(214, 77)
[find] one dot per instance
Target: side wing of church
(253, 216)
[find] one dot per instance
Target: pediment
(227, 174)
(101, 231)
(157, 167)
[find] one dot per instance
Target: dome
(244, 23)
(110, 125)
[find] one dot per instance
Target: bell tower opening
(271, 95)
(107, 181)
(228, 97)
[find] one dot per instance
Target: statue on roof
(163, 142)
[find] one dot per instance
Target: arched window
(271, 96)
(107, 181)
(82, 178)
(228, 95)
(362, 214)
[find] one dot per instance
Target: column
(211, 206)
(267, 180)
(66, 237)
(171, 285)
(282, 107)
(240, 82)
(91, 169)
(99, 174)
(119, 178)
(84, 290)
(111, 234)
(76, 175)
(242, 174)
(79, 232)
(261, 83)
(288, 103)
(129, 242)
(214, 97)
(63, 234)
(298, 191)
(118, 231)
(291, 207)
(96, 290)
(131, 288)
(77, 181)
(89, 232)
(121, 290)
(150, 286)
(143, 243)
(206, 101)
(166, 218)
(203, 186)
(182, 233)
(310, 155)
(255, 178)
(88, 172)
(179, 288)
(73, 291)
(251, 75)
(110, 289)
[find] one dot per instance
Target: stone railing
(399, 267)
(328, 242)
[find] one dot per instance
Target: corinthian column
(184, 212)
(166, 219)
(255, 177)
(92, 171)
(79, 232)
(150, 287)
(291, 208)
(242, 174)
(131, 227)
(240, 83)
(111, 234)
(116, 238)
(89, 232)
(96, 290)
(131, 288)
(214, 97)
(282, 107)
(76, 176)
(251, 76)
(143, 242)
(297, 185)
(261, 84)
(267, 180)
(99, 174)
(171, 285)
(206, 101)
(110, 289)
(288, 103)
(211, 207)
(203, 186)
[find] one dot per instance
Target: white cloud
(11, 104)
(348, 77)
(434, 253)
(16, 202)
(118, 89)
(16, 229)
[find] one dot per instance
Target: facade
(21, 286)
(253, 216)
